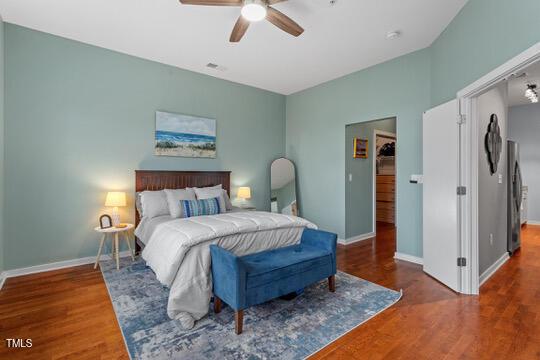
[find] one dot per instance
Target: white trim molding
(409, 258)
(493, 268)
(469, 161)
(356, 239)
(2, 279)
(532, 222)
(56, 266)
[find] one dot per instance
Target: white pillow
(228, 203)
(138, 205)
(210, 187)
(175, 196)
(210, 193)
(153, 203)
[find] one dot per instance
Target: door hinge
(461, 119)
(461, 190)
(461, 262)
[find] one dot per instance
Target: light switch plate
(417, 179)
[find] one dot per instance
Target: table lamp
(244, 193)
(115, 199)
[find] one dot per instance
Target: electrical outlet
(491, 239)
(500, 179)
(350, 177)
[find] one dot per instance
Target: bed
(160, 179)
(178, 249)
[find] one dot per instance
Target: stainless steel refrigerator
(515, 185)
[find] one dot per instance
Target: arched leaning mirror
(283, 190)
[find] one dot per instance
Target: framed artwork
(360, 148)
(105, 221)
(185, 136)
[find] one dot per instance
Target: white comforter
(178, 252)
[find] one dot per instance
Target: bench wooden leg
(217, 304)
(239, 321)
(332, 283)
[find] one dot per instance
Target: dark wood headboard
(160, 179)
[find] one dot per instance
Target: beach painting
(185, 136)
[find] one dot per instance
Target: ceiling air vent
(216, 67)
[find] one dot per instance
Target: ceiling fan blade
(239, 29)
(283, 22)
(272, 2)
(213, 2)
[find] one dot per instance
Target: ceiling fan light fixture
(254, 10)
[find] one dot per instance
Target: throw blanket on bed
(178, 252)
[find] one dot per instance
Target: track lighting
(531, 93)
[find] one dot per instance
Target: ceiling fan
(253, 10)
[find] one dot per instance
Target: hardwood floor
(68, 314)
(432, 322)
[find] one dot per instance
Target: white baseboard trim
(409, 258)
(57, 265)
(493, 268)
(532, 222)
(2, 279)
(356, 239)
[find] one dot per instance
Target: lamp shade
(244, 192)
(115, 198)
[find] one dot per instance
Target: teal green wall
(1, 145)
(285, 195)
(484, 35)
(359, 191)
(316, 120)
(80, 120)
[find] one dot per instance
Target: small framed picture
(360, 148)
(105, 221)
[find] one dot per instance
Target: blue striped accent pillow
(200, 207)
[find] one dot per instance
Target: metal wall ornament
(493, 143)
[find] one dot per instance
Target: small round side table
(113, 232)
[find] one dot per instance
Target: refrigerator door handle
(519, 181)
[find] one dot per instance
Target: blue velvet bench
(244, 281)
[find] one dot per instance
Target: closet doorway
(385, 176)
(370, 180)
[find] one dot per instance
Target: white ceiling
(338, 40)
(517, 86)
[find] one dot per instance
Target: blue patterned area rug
(279, 329)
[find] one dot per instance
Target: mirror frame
(298, 208)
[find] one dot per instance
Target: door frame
(469, 161)
(374, 200)
(371, 235)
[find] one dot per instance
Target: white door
(440, 198)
